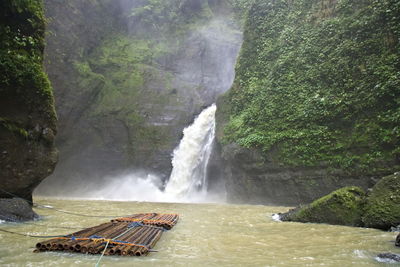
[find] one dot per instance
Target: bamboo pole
(96, 247)
(140, 240)
(147, 243)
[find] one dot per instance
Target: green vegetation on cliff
(318, 82)
(22, 79)
(116, 73)
(140, 73)
(27, 115)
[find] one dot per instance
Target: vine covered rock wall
(27, 115)
(315, 102)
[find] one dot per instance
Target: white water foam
(130, 187)
(188, 176)
(276, 217)
(385, 260)
(188, 181)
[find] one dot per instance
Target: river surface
(206, 235)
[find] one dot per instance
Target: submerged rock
(382, 208)
(343, 206)
(16, 210)
(388, 257)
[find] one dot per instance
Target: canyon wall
(129, 75)
(27, 115)
(315, 102)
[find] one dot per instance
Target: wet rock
(342, 207)
(286, 216)
(397, 243)
(250, 178)
(382, 209)
(16, 210)
(388, 257)
(48, 135)
(26, 102)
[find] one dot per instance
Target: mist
(134, 186)
(104, 144)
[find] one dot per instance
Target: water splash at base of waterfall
(190, 160)
(187, 183)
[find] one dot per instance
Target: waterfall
(190, 158)
(187, 182)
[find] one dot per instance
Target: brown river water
(206, 235)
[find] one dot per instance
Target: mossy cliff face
(130, 75)
(315, 102)
(27, 116)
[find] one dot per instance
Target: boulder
(388, 257)
(343, 207)
(16, 210)
(382, 208)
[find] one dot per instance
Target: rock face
(380, 208)
(310, 110)
(343, 207)
(250, 179)
(27, 116)
(131, 76)
(383, 204)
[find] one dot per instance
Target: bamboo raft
(135, 235)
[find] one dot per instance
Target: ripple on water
(360, 253)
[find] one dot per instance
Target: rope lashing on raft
(102, 254)
(156, 221)
(103, 240)
(135, 223)
(166, 221)
(138, 224)
(114, 240)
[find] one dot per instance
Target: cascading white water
(191, 157)
(187, 182)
